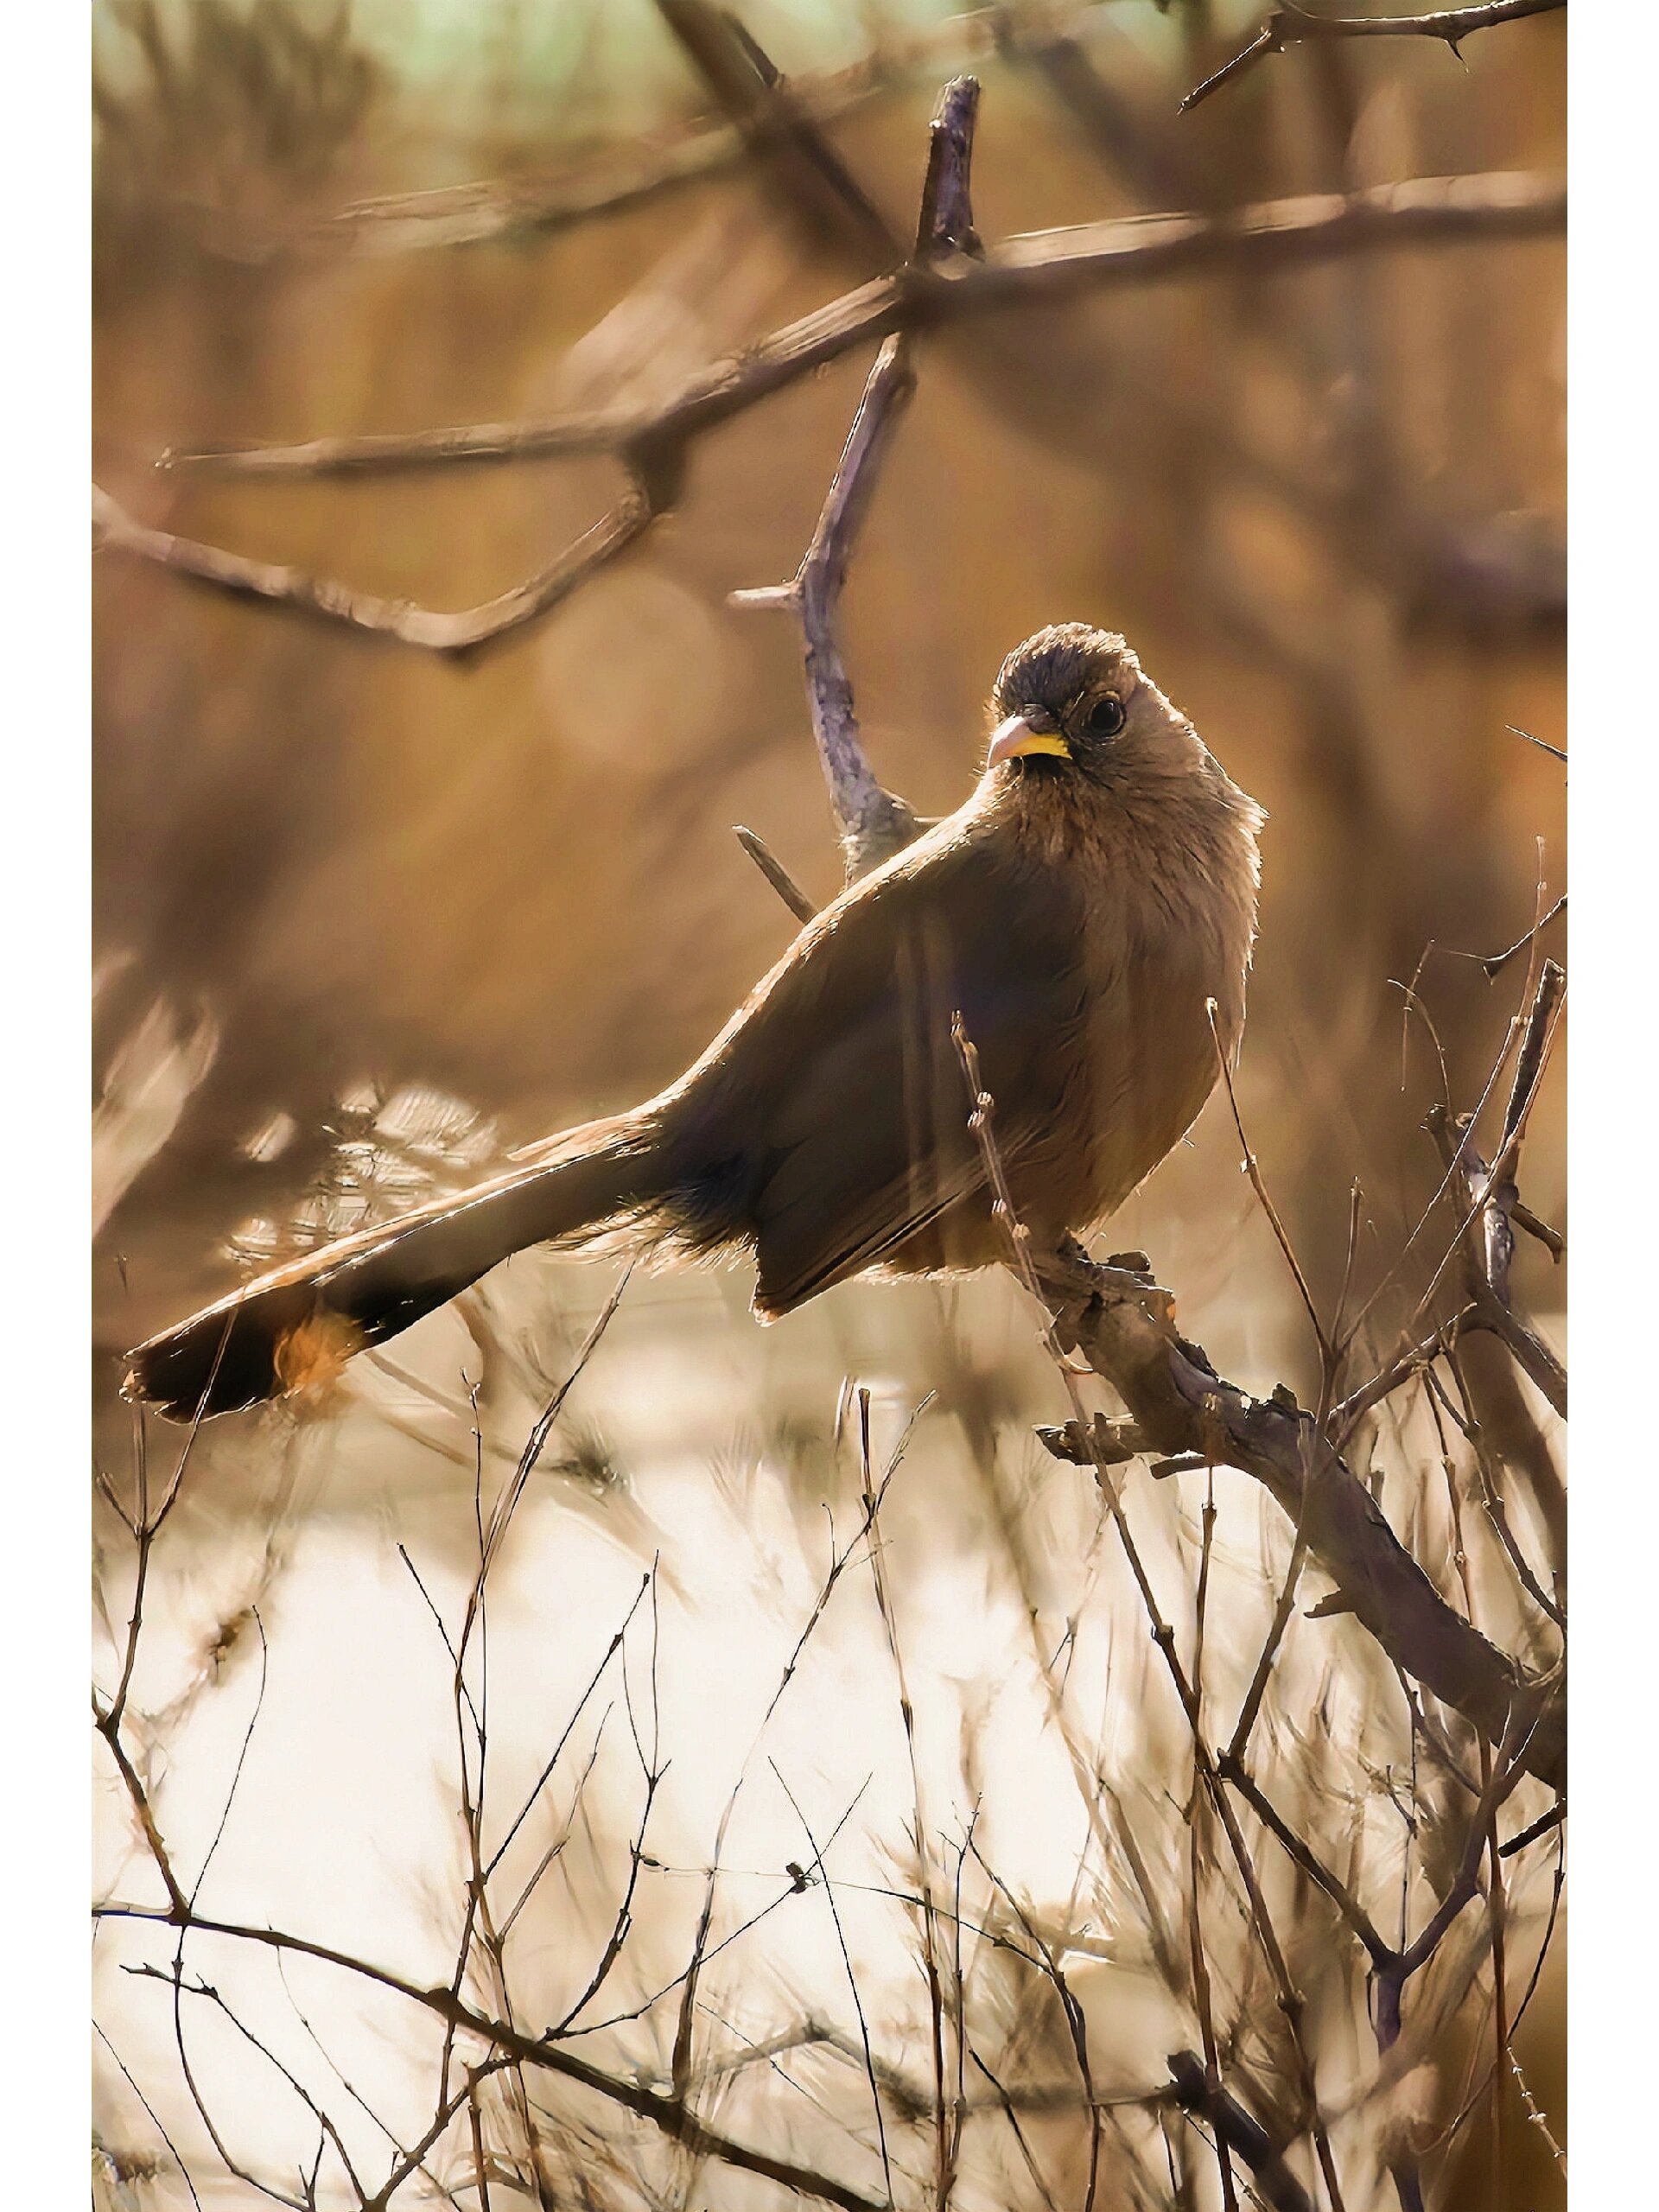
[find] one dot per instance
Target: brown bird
(1094, 894)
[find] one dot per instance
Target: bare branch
(1345, 1417)
(594, 182)
(1180, 1404)
(653, 442)
(944, 2167)
(1239, 2131)
(1289, 25)
(1233, 1772)
(1530, 1061)
(668, 2115)
(775, 872)
(1282, 1238)
(1485, 1196)
(806, 174)
(1556, 752)
(852, 1978)
(873, 823)
(457, 634)
(946, 222)
(1276, 234)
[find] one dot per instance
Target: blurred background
(365, 916)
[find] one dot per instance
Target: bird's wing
(860, 1137)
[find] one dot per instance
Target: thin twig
(1289, 25)
(775, 872)
(1282, 1236)
(981, 1109)
(666, 2114)
(944, 2172)
(1196, 1839)
(851, 1978)
(1495, 963)
(1345, 1417)
(1071, 2012)
(1554, 751)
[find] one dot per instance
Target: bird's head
(1072, 701)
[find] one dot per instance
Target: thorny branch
(1290, 25)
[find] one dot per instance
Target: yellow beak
(1014, 739)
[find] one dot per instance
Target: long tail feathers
(300, 1323)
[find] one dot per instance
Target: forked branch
(654, 443)
(1086, 257)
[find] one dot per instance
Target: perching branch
(1178, 1401)
(1122, 1322)
(1290, 25)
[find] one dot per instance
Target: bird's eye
(1105, 717)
